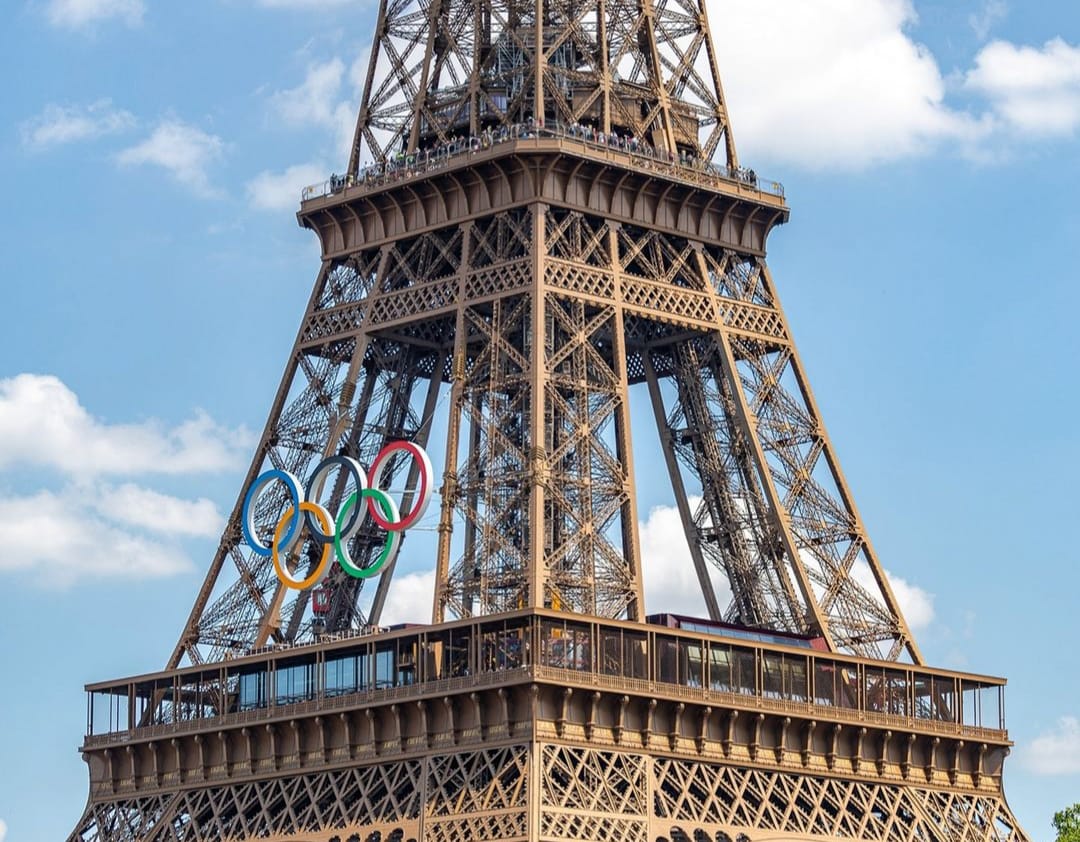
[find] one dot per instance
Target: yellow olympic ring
(328, 549)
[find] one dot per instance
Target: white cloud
(148, 509)
(1056, 752)
(669, 579)
(77, 14)
(184, 150)
(58, 124)
(328, 98)
(43, 423)
(1032, 90)
(3, 830)
(984, 20)
(668, 575)
(409, 599)
(832, 84)
(671, 583)
(56, 537)
(916, 604)
(313, 100)
(281, 191)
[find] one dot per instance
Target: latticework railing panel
(691, 794)
(558, 825)
(420, 300)
(593, 780)
(386, 794)
(507, 826)
(668, 303)
(496, 280)
(574, 277)
(477, 781)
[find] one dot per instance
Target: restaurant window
(406, 660)
(294, 682)
(732, 669)
(501, 648)
(990, 707)
(252, 690)
(784, 676)
(385, 673)
(567, 646)
(340, 675)
(456, 653)
(834, 684)
(886, 691)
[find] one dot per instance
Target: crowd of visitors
(404, 165)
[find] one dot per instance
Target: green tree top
(1067, 824)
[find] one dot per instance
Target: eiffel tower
(543, 214)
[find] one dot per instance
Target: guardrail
(641, 155)
(324, 703)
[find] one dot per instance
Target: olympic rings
(282, 571)
(393, 536)
(333, 534)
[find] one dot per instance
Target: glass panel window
(406, 661)
(795, 679)
(969, 703)
(109, 712)
(294, 683)
(720, 667)
(502, 648)
(252, 690)
(341, 675)
(943, 698)
(668, 655)
(743, 669)
(826, 681)
(691, 663)
(365, 663)
(772, 675)
(634, 661)
(896, 693)
(456, 654)
(923, 696)
(567, 646)
(384, 666)
(990, 707)
(611, 651)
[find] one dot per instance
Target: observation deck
(557, 165)
(690, 685)
(590, 143)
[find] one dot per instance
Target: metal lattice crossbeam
(530, 232)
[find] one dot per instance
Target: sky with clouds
(153, 277)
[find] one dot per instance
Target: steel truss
(541, 319)
(441, 69)
(522, 284)
(580, 793)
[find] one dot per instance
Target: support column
(538, 428)
(681, 501)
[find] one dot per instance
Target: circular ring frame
(349, 465)
(393, 537)
(247, 519)
(327, 553)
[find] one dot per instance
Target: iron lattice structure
(446, 68)
(541, 318)
(532, 227)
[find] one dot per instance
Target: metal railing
(321, 703)
(641, 155)
(318, 703)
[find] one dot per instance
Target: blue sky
(151, 157)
